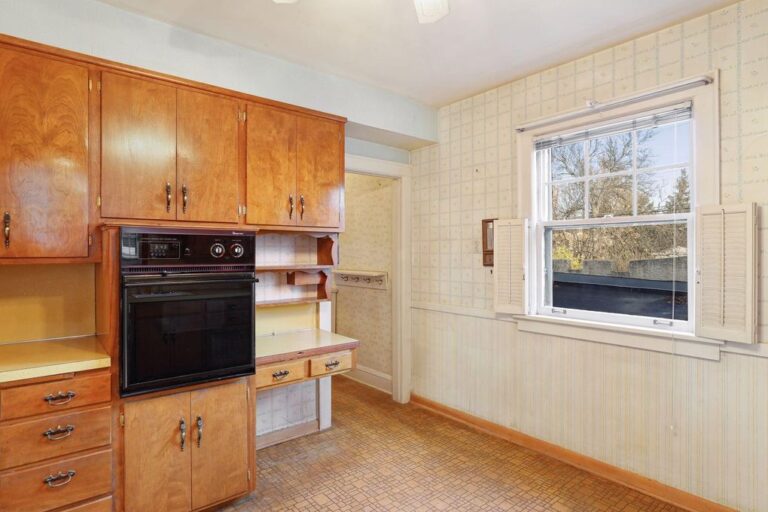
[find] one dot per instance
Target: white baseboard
(371, 377)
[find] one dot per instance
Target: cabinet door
(157, 465)
(138, 160)
(271, 156)
(320, 174)
(43, 157)
(220, 449)
(207, 158)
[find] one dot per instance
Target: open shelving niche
(294, 268)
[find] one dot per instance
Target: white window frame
(705, 179)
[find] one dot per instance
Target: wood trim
(34, 47)
(645, 485)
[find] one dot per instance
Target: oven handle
(132, 281)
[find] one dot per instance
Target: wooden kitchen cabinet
(295, 173)
(43, 157)
(157, 467)
(188, 450)
(207, 179)
(138, 141)
(319, 172)
(220, 447)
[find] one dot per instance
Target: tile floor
(380, 456)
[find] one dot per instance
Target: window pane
(610, 196)
(663, 192)
(611, 154)
(568, 201)
(664, 145)
(633, 269)
(567, 161)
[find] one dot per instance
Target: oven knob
(236, 250)
(217, 250)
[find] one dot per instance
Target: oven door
(184, 329)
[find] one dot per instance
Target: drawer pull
(59, 480)
(60, 398)
(58, 433)
(199, 431)
(281, 374)
(330, 365)
(7, 229)
(183, 433)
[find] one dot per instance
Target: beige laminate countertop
(294, 345)
(33, 359)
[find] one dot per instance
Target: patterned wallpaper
(469, 175)
(366, 244)
(696, 425)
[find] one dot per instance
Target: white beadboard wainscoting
(697, 425)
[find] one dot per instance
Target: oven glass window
(184, 332)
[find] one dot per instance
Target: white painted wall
(693, 424)
(101, 30)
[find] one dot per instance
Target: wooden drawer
(54, 396)
(275, 374)
(100, 505)
(330, 363)
(27, 442)
(27, 491)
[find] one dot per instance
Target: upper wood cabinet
(138, 145)
(188, 450)
(207, 180)
(167, 153)
(43, 157)
(295, 172)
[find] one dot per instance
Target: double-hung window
(614, 222)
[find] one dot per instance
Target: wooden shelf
(288, 302)
(292, 268)
(295, 345)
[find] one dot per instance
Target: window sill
(655, 340)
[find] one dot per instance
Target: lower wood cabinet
(188, 450)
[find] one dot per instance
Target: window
(614, 222)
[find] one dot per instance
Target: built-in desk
(33, 359)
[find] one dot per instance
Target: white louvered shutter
(509, 266)
(726, 291)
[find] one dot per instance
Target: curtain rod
(595, 107)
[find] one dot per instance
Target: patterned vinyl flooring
(382, 456)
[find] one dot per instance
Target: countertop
(295, 345)
(33, 359)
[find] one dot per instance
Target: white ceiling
(480, 44)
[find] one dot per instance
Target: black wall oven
(187, 307)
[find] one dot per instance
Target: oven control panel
(145, 247)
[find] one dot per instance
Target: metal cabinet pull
(290, 202)
(60, 398)
(199, 431)
(184, 198)
(58, 433)
(7, 228)
(301, 201)
(59, 479)
(281, 374)
(168, 196)
(183, 430)
(332, 364)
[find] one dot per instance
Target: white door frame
(401, 266)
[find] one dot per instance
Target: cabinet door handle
(168, 196)
(290, 202)
(59, 433)
(332, 364)
(183, 431)
(7, 228)
(302, 202)
(281, 374)
(199, 431)
(184, 198)
(60, 398)
(59, 479)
